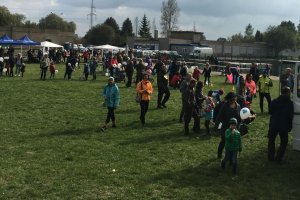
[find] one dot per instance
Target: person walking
(228, 110)
(206, 72)
(282, 112)
(129, 72)
(144, 88)
(163, 89)
(111, 101)
(264, 85)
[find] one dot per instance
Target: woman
(250, 87)
(144, 88)
(111, 101)
(228, 110)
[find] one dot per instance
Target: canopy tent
(106, 47)
(26, 41)
(6, 40)
(48, 45)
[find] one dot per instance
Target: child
(176, 80)
(196, 73)
(86, 71)
(52, 70)
(233, 145)
(23, 69)
(209, 110)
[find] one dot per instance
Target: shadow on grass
(71, 132)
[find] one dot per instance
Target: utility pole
(92, 14)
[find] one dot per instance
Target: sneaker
(103, 128)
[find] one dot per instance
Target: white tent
(106, 47)
(48, 45)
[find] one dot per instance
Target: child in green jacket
(233, 145)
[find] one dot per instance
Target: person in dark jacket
(281, 111)
(129, 68)
(229, 109)
(163, 89)
(254, 72)
(189, 102)
(206, 72)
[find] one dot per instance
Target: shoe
(103, 128)
(159, 107)
(163, 105)
(114, 126)
(223, 165)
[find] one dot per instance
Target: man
(264, 84)
(281, 111)
(287, 79)
(254, 72)
(163, 89)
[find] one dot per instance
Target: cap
(111, 78)
(232, 121)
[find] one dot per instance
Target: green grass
(51, 148)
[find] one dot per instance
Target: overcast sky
(215, 18)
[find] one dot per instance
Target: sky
(215, 18)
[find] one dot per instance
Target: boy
(233, 145)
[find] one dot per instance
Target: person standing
(144, 88)
(184, 86)
(45, 63)
(287, 79)
(111, 101)
(52, 70)
(163, 89)
(228, 110)
(264, 84)
(19, 61)
(282, 112)
(93, 67)
(129, 72)
(206, 72)
(233, 145)
(189, 105)
(254, 72)
(251, 86)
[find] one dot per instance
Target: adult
(140, 69)
(93, 67)
(163, 89)
(11, 62)
(45, 63)
(206, 72)
(129, 72)
(281, 111)
(287, 79)
(183, 86)
(254, 72)
(199, 98)
(144, 88)
(173, 68)
(264, 85)
(111, 101)
(250, 88)
(228, 110)
(189, 102)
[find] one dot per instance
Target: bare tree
(169, 16)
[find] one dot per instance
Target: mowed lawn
(51, 147)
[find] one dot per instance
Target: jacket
(233, 142)
(282, 113)
(142, 86)
(264, 84)
(111, 95)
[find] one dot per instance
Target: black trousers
(230, 156)
(222, 142)
(161, 99)
(129, 79)
(43, 73)
(261, 100)
(206, 78)
(187, 116)
(110, 115)
(271, 144)
(144, 108)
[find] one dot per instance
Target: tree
(53, 21)
(249, 33)
(144, 30)
(112, 22)
(236, 38)
(281, 37)
(258, 36)
(169, 16)
(127, 29)
(9, 19)
(100, 34)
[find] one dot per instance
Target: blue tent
(26, 41)
(6, 40)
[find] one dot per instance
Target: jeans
(43, 73)
(110, 115)
(230, 156)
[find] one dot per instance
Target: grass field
(51, 148)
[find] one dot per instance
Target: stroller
(119, 74)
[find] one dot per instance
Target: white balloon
(245, 113)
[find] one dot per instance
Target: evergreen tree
(112, 22)
(145, 28)
(127, 29)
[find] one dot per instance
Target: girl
(209, 111)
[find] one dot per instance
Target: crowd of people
(221, 113)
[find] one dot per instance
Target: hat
(232, 121)
(111, 78)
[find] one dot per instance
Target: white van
(201, 52)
